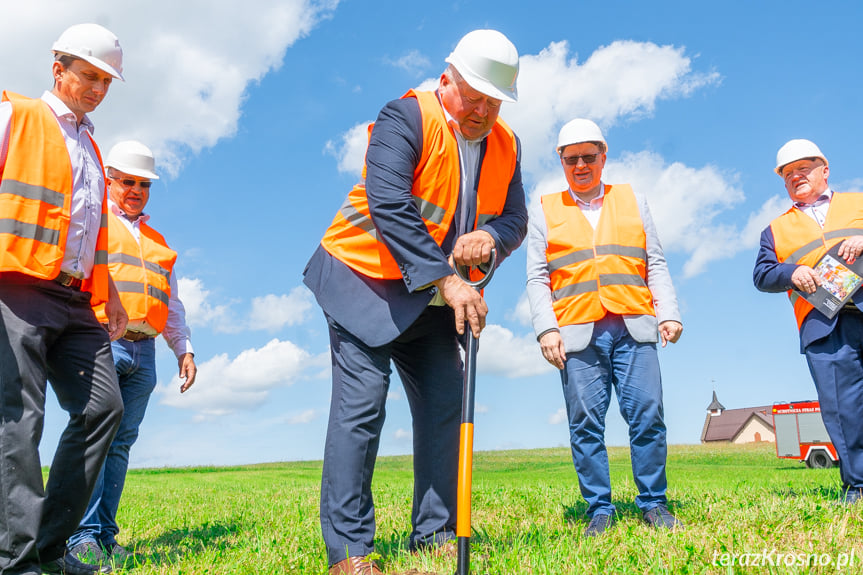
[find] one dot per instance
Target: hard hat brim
(778, 169)
(133, 171)
(95, 62)
(481, 84)
(105, 68)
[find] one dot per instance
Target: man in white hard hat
(601, 297)
(442, 182)
(53, 238)
(791, 246)
(142, 266)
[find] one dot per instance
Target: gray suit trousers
(49, 332)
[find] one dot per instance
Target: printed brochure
(839, 281)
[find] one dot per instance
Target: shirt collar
(141, 219)
(61, 110)
(822, 199)
(582, 202)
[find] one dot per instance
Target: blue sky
(257, 113)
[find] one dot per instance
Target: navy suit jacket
(377, 311)
(770, 275)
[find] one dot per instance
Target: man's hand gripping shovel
(465, 453)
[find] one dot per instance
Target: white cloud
(268, 313)
(195, 298)
(558, 417)
(187, 64)
(429, 84)
(521, 313)
(402, 434)
(350, 153)
(506, 355)
(772, 208)
(685, 203)
(306, 416)
(226, 385)
(272, 312)
(413, 61)
(549, 182)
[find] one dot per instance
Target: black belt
(67, 280)
(137, 336)
(851, 308)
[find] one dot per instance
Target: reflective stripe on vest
(596, 271)
(141, 272)
(798, 239)
(36, 198)
(428, 211)
(352, 236)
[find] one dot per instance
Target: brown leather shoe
(355, 566)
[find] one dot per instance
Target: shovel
(465, 452)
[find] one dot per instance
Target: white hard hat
(794, 150)
(133, 158)
(488, 62)
(94, 44)
(578, 131)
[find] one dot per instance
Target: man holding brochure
(791, 248)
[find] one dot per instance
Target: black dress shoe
(69, 565)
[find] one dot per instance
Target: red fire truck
(800, 434)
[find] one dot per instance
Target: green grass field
(745, 512)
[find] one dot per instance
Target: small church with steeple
(742, 425)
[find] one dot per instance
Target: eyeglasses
(573, 160)
(129, 183)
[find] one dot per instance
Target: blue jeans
(613, 358)
(135, 363)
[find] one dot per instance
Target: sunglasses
(129, 183)
(573, 160)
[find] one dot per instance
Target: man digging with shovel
(442, 182)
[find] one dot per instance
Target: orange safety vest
(36, 199)
(798, 239)
(596, 271)
(141, 272)
(353, 238)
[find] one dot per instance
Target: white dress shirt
(817, 210)
(591, 209)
